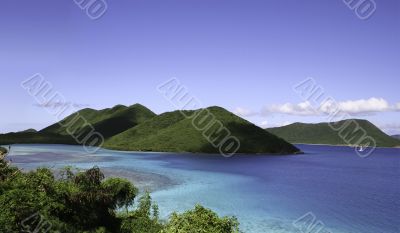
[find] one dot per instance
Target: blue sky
(245, 56)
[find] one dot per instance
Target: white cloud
(398, 106)
(351, 107)
(267, 124)
(244, 112)
(304, 109)
(390, 128)
(364, 106)
(60, 104)
(264, 124)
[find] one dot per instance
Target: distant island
(28, 131)
(322, 133)
(136, 128)
(396, 136)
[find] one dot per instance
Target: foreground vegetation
(87, 202)
(3, 150)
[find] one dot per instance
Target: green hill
(322, 133)
(108, 122)
(175, 133)
(138, 128)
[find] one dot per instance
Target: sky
(244, 55)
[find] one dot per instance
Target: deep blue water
(267, 193)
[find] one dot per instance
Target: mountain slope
(322, 133)
(396, 136)
(28, 131)
(175, 133)
(108, 122)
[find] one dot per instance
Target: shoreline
(144, 181)
(318, 144)
(162, 152)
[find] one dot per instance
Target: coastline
(196, 153)
(270, 196)
(144, 180)
(343, 145)
(163, 152)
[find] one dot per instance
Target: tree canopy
(84, 201)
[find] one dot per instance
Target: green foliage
(174, 132)
(81, 202)
(322, 133)
(143, 219)
(6, 172)
(3, 150)
(123, 192)
(85, 202)
(200, 220)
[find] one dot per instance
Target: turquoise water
(267, 193)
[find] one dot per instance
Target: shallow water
(267, 193)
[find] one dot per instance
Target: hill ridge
(108, 121)
(322, 133)
(172, 131)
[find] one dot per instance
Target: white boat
(360, 148)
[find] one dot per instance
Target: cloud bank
(60, 105)
(244, 112)
(351, 107)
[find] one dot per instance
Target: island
(397, 136)
(209, 130)
(323, 133)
